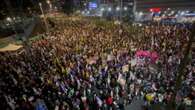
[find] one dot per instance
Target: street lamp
(11, 22)
(117, 8)
(172, 12)
(102, 9)
(125, 8)
(140, 13)
(83, 12)
(8, 19)
(109, 9)
(48, 2)
(88, 12)
(182, 13)
(50, 5)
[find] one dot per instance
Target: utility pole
(121, 10)
(134, 8)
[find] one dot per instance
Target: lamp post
(121, 7)
(11, 22)
(44, 18)
(125, 8)
(50, 5)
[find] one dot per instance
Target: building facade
(145, 5)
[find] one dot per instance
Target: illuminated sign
(92, 5)
(155, 10)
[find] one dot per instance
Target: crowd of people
(91, 65)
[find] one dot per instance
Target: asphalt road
(135, 105)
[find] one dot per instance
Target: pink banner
(152, 55)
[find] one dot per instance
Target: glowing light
(48, 1)
(155, 9)
(182, 13)
(102, 9)
(117, 8)
(109, 9)
(172, 12)
(140, 13)
(125, 8)
(9, 19)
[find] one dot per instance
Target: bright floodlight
(9, 19)
(125, 8)
(109, 9)
(182, 13)
(102, 9)
(140, 13)
(48, 1)
(140, 24)
(117, 8)
(172, 12)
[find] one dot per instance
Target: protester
(84, 65)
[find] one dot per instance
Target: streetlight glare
(172, 12)
(182, 13)
(125, 8)
(9, 19)
(117, 8)
(109, 9)
(83, 12)
(140, 13)
(48, 1)
(102, 9)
